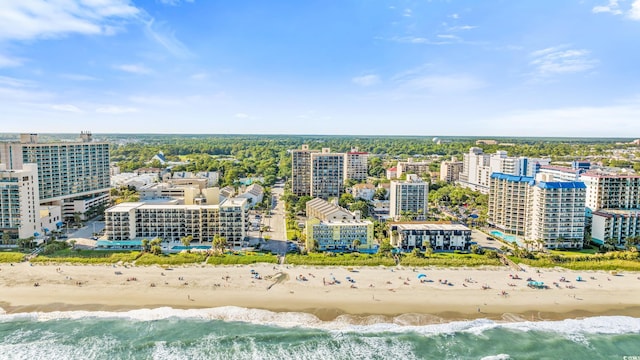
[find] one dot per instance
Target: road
(276, 222)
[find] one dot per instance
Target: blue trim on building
(514, 178)
(561, 185)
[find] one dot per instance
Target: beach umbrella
(420, 276)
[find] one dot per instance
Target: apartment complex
(450, 170)
(408, 196)
(614, 224)
(412, 167)
(129, 221)
(73, 175)
(327, 174)
(301, 170)
(613, 201)
(478, 167)
(321, 173)
(508, 201)
(538, 209)
(335, 228)
(423, 235)
(611, 191)
(557, 214)
(19, 205)
(356, 165)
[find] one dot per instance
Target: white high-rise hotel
(409, 196)
(477, 167)
(72, 175)
(538, 209)
(19, 207)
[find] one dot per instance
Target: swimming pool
(198, 247)
(501, 235)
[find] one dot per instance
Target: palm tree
(356, 243)
(186, 240)
(219, 242)
(145, 245)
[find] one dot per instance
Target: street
(276, 222)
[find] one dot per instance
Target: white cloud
(241, 116)
(66, 108)
(78, 77)
(15, 82)
(32, 19)
(560, 60)
(160, 33)
(634, 13)
(454, 16)
(174, 2)
(419, 40)
(453, 83)
(199, 76)
(618, 119)
(611, 7)
(115, 110)
(462, 28)
(366, 80)
(407, 13)
(8, 61)
(134, 69)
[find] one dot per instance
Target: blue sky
(491, 67)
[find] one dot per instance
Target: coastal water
(237, 333)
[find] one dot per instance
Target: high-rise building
(538, 209)
(301, 170)
(478, 167)
(475, 170)
(409, 196)
(611, 191)
(327, 174)
(356, 165)
(508, 201)
(556, 213)
(450, 170)
(19, 207)
(73, 175)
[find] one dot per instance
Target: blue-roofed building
(557, 213)
(538, 209)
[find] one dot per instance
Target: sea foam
(590, 325)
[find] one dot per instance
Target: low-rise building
(363, 191)
(331, 227)
(131, 221)
(423, 235)
(254, 193)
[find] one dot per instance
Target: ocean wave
(348, 323)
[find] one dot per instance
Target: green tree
(186, 240)
(385, 247)
(355, 244)
(219, 242)
(145, 245)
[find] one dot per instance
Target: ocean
(239, 333)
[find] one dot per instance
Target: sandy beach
(324, 291)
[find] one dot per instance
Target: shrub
(11, 257)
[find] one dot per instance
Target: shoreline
(376, 294)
